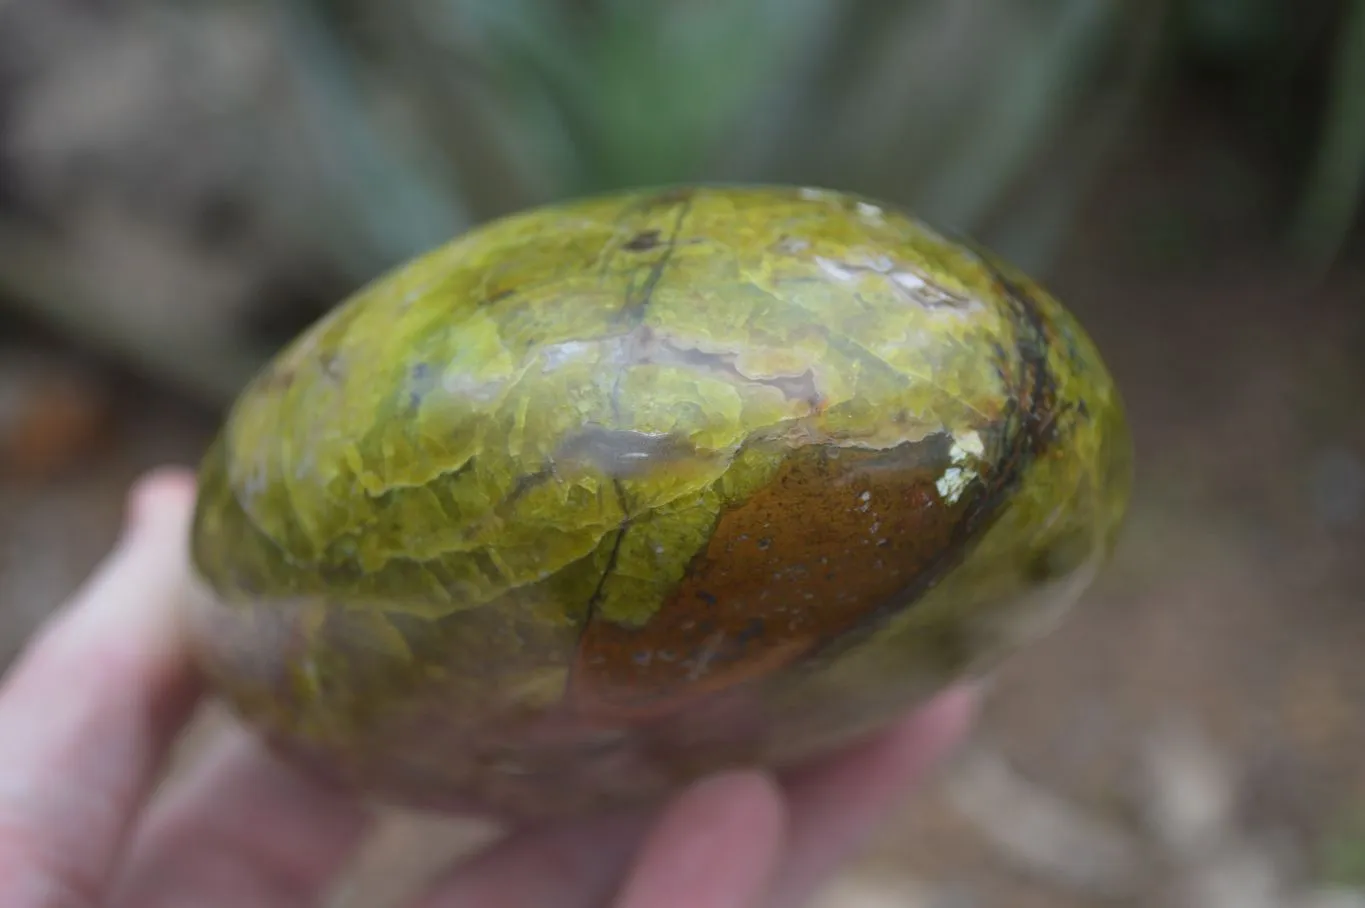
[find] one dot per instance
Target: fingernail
(150, 492)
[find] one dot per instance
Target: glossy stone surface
(602, 496)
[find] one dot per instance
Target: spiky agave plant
(983, 116)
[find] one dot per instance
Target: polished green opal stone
(606, 495)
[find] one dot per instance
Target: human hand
(89, 711)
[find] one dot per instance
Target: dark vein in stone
(596, 599)
(634, 311)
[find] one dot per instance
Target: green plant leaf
(1032, 92)
(1333, 196)
(387, 208)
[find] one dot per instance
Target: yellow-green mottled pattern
(410, 516)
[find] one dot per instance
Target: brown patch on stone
(838, 536)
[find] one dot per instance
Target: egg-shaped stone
(607, 495)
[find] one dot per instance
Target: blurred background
(184, 185)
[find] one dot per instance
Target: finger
(89, 711)
(581, 863)
(576, 865)
(716, 847)
(573, 864)
(241, 828)
(837, 803)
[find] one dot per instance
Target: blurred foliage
(299, 147)
(987, 117)
(1274, 56)
(955, 108)
(1342, 858)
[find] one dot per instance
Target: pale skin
(89, 711)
